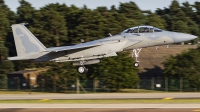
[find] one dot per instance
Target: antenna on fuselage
(82, 40)
(110, 34)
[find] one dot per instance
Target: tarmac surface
(99, 110)
(119, 106)
(100, 96)
(19, 107)
(99, 107)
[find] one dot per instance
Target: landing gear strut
(136, 53)
(82, 69)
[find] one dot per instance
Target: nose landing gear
(136, 64)
(136, 53)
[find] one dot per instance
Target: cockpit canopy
(142, 29)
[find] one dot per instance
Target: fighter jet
(28, 47)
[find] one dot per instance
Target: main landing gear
(136, 53)
(82, 69)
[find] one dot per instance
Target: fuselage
(132, 38)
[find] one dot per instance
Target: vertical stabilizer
(25, 41)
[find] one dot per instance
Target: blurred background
(56, 24)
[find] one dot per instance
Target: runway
(100, 96)
(99, 110)
(125, 107)
(119, 106)
(99, 107)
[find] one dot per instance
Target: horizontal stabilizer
(20, 58)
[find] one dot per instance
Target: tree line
(60, 24)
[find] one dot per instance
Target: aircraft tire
(82, 70)
(136, 64)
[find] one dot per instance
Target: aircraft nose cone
(181, 37)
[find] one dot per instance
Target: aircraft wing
(82, 45)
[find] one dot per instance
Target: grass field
(104, 101)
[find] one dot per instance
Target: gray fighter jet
(30, 48)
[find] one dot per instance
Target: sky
(92, 4)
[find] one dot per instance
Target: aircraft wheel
(82, 70)
(136, 64)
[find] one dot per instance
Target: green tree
(184, 65)
(5, 66)
(9, 18)
(56, 24)
(89, 28)
(113, 22)
(132, 11)
(156, 21)
(59, 73)
(50, 27)
(180, 18)
(25, 12)
(117, 72)
(196, 6)
(188, 9)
